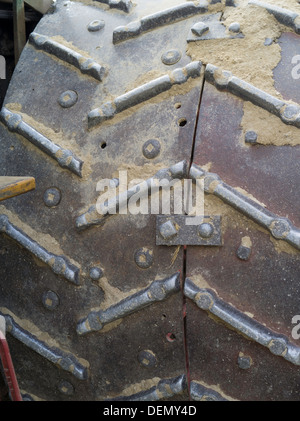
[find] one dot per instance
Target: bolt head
(68, 99)
(168, 230)
(171, 57)
(50, 300)
(143, 257)
(151, 149)
(96, 25)
(251, 137)
(96, 273)
(243, 252)
(52, 197)
(280, 228)
(199, 28)
(244, 361)
(235, 27)
(205, 230)
(204, 300)
(66, 388)
(291, 111)
(147, 358)
(277, 346)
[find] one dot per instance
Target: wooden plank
(13, 186)
(19, 27)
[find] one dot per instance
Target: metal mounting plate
(186, 230)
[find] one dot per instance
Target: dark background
(7, 39)
(7, 50)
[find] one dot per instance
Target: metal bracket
(173, 230)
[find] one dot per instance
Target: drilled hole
(103, 145)
(170, 337)
(182, 122)
(178, 105)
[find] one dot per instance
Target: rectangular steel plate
(187, 230)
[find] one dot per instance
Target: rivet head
(291, 111)
(205, 230)
(50, 300)
(235, 27)
(52, 197)
(171, 57)
(147, 358)
(268, 41)
(204, 300)
(277, 346)
(96, 273)
(280, 228)
(143, 257)
(168, 230)
(151, 149)
(68, 99)
(96, 25)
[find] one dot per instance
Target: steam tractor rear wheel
(107, 295)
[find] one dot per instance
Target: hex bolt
(52, 197)
(50, 300)
(151, 148)
(143, 257)
(96, 273)
(168, 230)
(244, 361)
(199, 28)
(205, 230)
(147, 358)
(68, 99)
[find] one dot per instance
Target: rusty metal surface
(114, 261)
(95, 309)
(287, 73)
(252, 272)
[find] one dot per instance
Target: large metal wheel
(143, 306)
